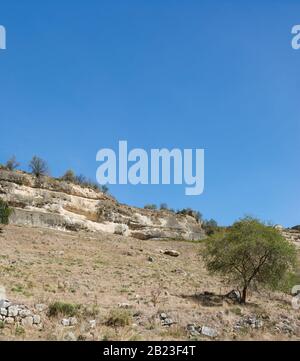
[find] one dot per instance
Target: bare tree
(12, 163)
(38, 167)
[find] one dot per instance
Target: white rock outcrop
(53, 203)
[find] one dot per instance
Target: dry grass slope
(126, 286)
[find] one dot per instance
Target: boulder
(36, 319)
(27, 321)
(171, 252)
(209, 332)
(13, 311)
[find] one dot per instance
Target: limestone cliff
(53, 203)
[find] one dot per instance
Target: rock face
(49, 202)
(293, 235)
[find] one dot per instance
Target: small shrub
(210, 227)
(5, 212)
(87, 183)
(2, 325)
(190, 212)
(150, 206)
(62, 308)
(163, 207)
(119, 318)
(38, 167)
(12, 164)
(19, 331)
(236, 311)
(69, 176)
(104, 189)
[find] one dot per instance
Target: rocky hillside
(99, 286)
(60, 205)
(293, 235)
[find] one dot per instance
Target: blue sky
(221, 75)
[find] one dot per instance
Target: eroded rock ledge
(61, 205)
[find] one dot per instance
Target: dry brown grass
(99, 271)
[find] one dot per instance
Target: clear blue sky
(78, 76)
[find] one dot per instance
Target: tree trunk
(244, 295)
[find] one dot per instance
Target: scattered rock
(4, 303)
(3, 312)
(24, 313)
(125, 305)
(92, 323)
(27, 321)
(165, 319)
(72, 321)
(36, 319)
(233, 296)
(163, 316)
(13, 311)
(65, 322)
(208, 331)
(171, 252)
(249, 321)
(9, 320)
(150, 259)
(193, 329)
(167, 322)
(285, 326)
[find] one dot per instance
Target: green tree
(210, 227)
(251, 254)
(38, 167)
(5, 212)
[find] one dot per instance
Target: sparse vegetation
(150, 206)
(163, 207)
(19, 331)
(180, 288)
(87, 183)
(251, 254)
(12, 164)
(38, 167)
(5, 212)
(190, 212)
(210, 226)
(119, 318)
(64, 309)
(69, 176)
